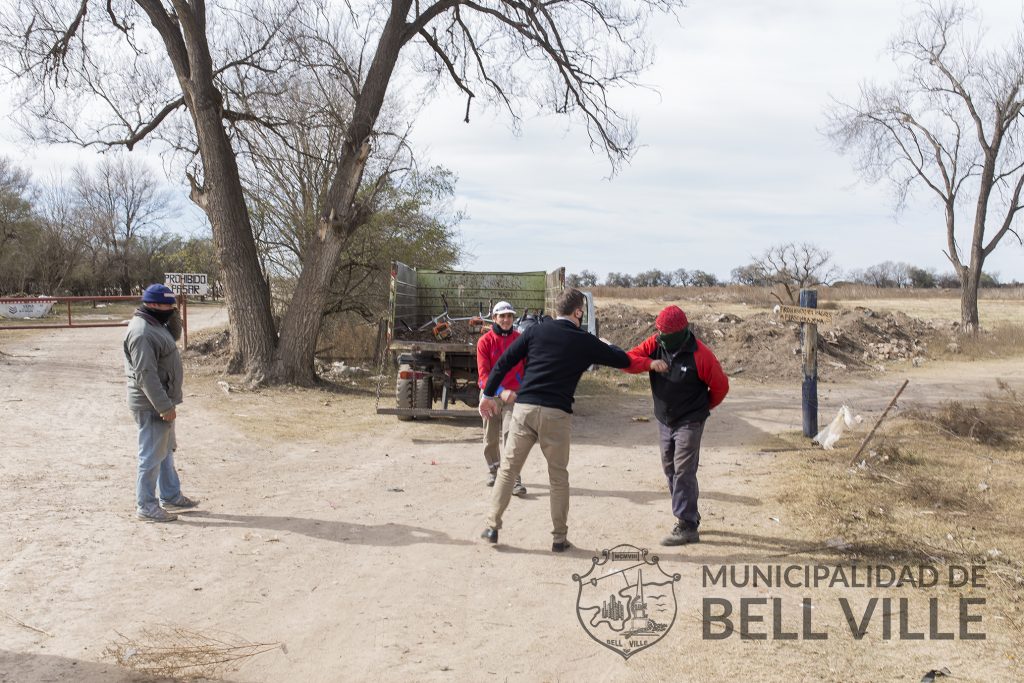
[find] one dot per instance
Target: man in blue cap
(153, 367)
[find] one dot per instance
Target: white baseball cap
(502, 307)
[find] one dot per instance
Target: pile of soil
(765, 348)
(208, 347)
(624, 326)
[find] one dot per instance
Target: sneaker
(180, 502)
(492, 476)
(158, 515)
(518, 489)
(682, 534)
(561, 547)
(490, 534)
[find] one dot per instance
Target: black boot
(682, 534)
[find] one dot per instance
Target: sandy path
(352, 539)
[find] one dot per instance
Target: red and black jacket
(693, 385)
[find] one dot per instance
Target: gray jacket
(153, 366)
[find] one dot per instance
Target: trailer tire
(424, 397)
(404, 399)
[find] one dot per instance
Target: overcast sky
(732, 162)
(732, 157)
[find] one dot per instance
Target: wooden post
(809, 299)
(184, 320)
(864, 443)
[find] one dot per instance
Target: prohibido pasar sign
(189, 284)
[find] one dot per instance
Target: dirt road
(352, 539)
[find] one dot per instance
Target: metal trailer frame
(450, 368)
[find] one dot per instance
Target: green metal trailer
(431, 376)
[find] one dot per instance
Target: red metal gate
(68, 300)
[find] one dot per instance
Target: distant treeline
(100, 231)
(791, 266)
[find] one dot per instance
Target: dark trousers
(680, 455)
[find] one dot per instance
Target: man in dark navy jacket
(557, 353)
(686, 382)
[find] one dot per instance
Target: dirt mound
(208, 347)
(765, 348)
(624, 325)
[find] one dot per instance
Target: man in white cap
(152, 365)
(488, 350)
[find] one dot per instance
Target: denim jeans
(156, 461)
(680, 456)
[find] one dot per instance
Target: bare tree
(65, 232)
(652, 278)
(887, 274)
(791, 266)
(218, 61)
(123, 203)
(614, 279)
(702, 278)
(950, 124)
(750, 275)
(286, 172)
(584, 278)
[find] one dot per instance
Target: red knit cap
(671, 319)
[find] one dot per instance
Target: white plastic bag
(844, 420)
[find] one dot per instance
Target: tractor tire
(424, 393)
(404, 398)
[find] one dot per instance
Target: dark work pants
(680, 455)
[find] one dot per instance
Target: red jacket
(676, 397)
(488, 351)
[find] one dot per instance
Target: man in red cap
(686, 382)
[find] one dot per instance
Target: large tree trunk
(969, 281)
(301, 326)
(971, 276)
(253, 338)
(248, 299)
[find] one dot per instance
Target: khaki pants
(496, 433)
(552, 428)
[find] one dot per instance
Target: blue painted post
(809, 299)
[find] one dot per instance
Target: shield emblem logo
(626, 601)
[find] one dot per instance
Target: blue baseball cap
(158, 294)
